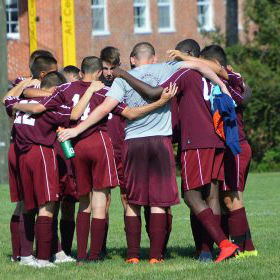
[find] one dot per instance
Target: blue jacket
(226, 108)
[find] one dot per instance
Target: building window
(165, 16)
(99, 17)
(141, 16)
(12, 19)
(205, 21)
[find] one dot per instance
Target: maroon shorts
(237, 168)
(150, 172)
(94, 164)
(67, 184)
(16, 192)
(39, 176)
(200, 166)
(118, 154)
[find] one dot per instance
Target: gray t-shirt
(156, 123)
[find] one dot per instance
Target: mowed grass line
(262, 198)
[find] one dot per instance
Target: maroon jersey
(96, 100)
(37, 129)
(235, 85)
(18, 80)
(197, 130)
(68, 94)
(116, 126)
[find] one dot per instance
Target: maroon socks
(44, 235)
(98, 228)
(15, 236)
(104, 245)
(133, 236)
(169, 218)
(239, 230)
(158, 231)
(82, 228)
(211, 225)
(26, 229)
(67, 229)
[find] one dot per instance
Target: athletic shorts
(16, 192)
(237, 168)
(67, 184)
(200, 167)
(94, 164)
(118, 153)
(150, 172)
(39, 176)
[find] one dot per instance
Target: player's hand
(173, 54)
(118, 72)
(66, 134)
(96, 86)
(225, 90)
(31, 83)
(169, 92)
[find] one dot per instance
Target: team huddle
(122, 125)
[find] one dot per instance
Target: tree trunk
(4, 125)
(231, 22)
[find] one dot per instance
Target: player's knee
(47, 209)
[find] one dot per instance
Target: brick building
(120, 23)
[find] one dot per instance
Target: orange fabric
(219, 125)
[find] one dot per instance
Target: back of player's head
(37, 53)
(110, 55)
(43, 64)
(215, 52)
(71, 70)
(91, 64)
(132, 66)
(143, 50)
(189, 46)
(53, 79)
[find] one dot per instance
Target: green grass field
(262, 198)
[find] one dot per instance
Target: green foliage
(259, 63)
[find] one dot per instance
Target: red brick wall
(120, 22)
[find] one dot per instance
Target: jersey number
(206, 90)
(26, 118)
(75, 101)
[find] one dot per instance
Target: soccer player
(71, 73)
(149, 176)
(236, 167)
(20, 241)
(34, 139)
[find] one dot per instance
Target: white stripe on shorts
(54, 159)
(200, 171)
(46, 172)
(186, 170)
(107, 158)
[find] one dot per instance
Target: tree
(4, 139)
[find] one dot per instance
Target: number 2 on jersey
(26, 118)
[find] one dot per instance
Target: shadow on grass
(172, 252)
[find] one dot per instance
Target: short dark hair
(53, 79)
(189, 46)
(215, 52)
(42, 63)
(91, 64)
(141, 48)
(37, 53)
(71, 69)
(111, 55)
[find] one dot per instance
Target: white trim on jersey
(185, 153)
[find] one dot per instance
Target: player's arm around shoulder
(133, 113)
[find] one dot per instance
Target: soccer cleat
(246, 254)
(61, 257)
(17, 259)
(29, 261)
(228, 249)
(45, 264)
(153, 261)
(132, 260)
(205, 257)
